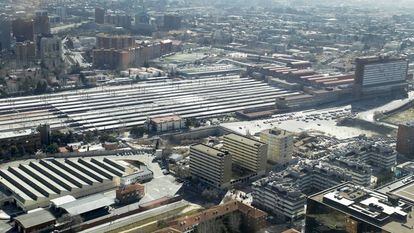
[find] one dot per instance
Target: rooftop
(208, 150)
(244, 140)
(162, 119)
(35, 217)
(87, 204)
(384, 211)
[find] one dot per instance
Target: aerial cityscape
(207, 116)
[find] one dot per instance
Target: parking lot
(323, 121)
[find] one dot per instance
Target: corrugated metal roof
(35, 218)
(87, 204)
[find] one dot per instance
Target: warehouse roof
(35, 218)
(87, 204)
(62, 200)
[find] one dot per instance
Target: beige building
(247, 153)
(280, 145)
(210, 165)
(166, 123)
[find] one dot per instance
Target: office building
(246, 153)
(405, 139)
(379, 76)
(210, 165)
(280, 145)
(41, 23)
(25, 53)
(350, 208)
(5, 33)
(51, 52)
(23, 30)
(99, 15)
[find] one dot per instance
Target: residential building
(253, 219)
(405, 139)
(23, 29)
(280, 145)
(99, 15)
(5, 33)
(210, 165)
(41, 23)
(25, 53)
(51, 53)
(247, 153)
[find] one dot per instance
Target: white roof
(62, 200)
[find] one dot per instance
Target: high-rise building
(119, 20)
(51, 53)
(25, 53)
(247, 153)
(61, 12)
(405, 139)
(45, 134)
(172, 22)
(23, 30)
(350, 208)
(99, 15)
(104, 41)
(379, 76)
(5, 33)
(41, 23)
(280, 145)
(210, 165)
(142, 18)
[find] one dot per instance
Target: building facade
(247, 153)
(280, 145)
(5, 33)
(166, 123)
(51, 52)
(210, 165)
(405, 139)
(379, 76)
(23, 29)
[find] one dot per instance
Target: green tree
(105, 137)
(13, 150)
(137, 132)
(22, 150)
(52, 148)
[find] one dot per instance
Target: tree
(137, 132)
(13, 150)
(22, 150)
(41, 87)
(105, 137)
(52, 148)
